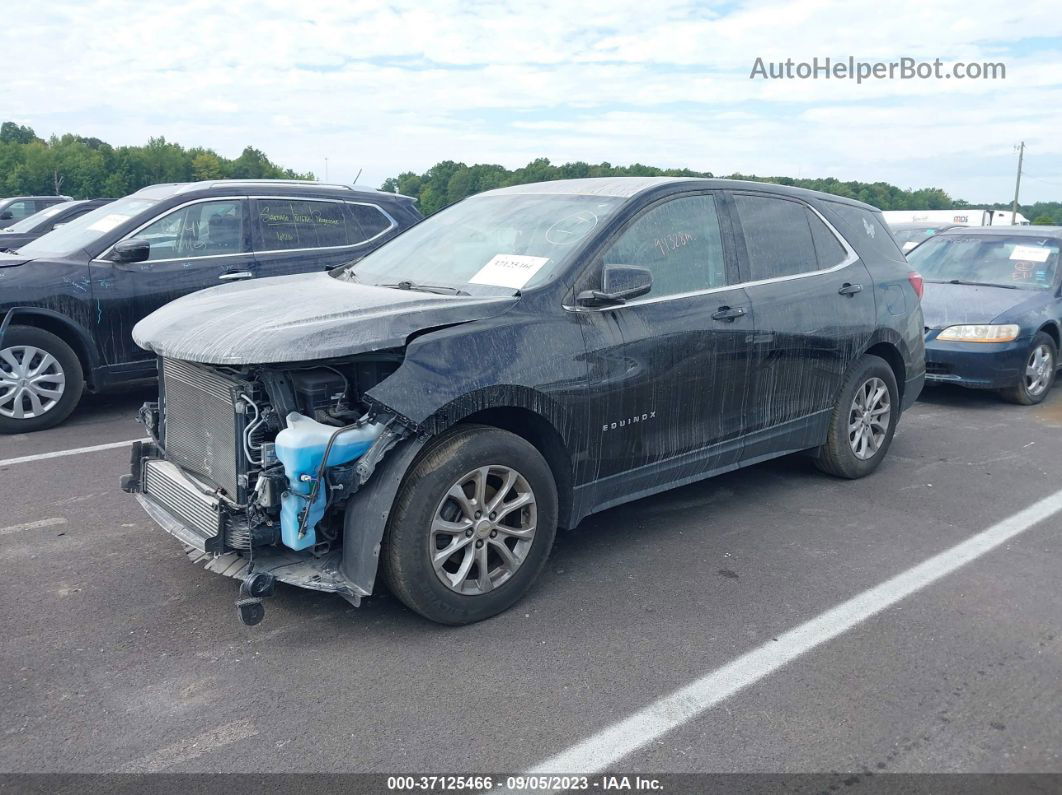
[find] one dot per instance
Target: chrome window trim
(851, 257)
(102, 257)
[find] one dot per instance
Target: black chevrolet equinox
(512, 364)
(69, 299)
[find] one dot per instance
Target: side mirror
(6, 215)
(135, 249)
(618, 284)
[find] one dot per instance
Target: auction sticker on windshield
(509, 270)
(1030, 253)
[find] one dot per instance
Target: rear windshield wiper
(441, 289)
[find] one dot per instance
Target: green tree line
(88, 167)
(448, 182)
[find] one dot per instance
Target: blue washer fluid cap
(300, 448)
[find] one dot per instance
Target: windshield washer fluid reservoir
(300, 447)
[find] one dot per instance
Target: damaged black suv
(512, 364)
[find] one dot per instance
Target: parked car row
(44, 221)
(432, 399)
(70, 298)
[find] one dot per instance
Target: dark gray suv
(511, 365)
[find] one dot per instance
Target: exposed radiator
(199, 512)
(202, 428)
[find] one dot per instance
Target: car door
(299, 235)
(668, 368)
(198, 245)
(813, 301)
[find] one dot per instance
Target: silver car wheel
(1038, 370)
(483, 529)
(32, 382)
(868, 418)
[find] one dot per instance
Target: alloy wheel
(483, 529)
(1038, 370)
(868, 418)
(32, 382)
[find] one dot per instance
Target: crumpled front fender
(369, 509)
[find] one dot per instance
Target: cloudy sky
(396, 86)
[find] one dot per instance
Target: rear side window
(867, 232)
(778, 237)
(298, 224)
(679, 242)
(366, 222)
(828, 248)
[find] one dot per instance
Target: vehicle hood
(951, 304)
(300, 318)
(11, 260)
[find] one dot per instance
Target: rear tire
(863, 421)
(1038, 373)
(41, 380)
(471, 527)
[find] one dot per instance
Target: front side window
(1023, 262)
(18, 210)
(679, 241)
(205, 229)
(778, 237)
(31, 222)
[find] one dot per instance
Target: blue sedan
(992, 306)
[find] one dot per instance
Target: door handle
(236, 275)
(728, 314)
(850, 289)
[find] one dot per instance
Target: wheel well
(890, 354)
(1051, 330)
(538, 431)
(63, 332)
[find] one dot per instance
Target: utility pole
(1017, 185)
(326, 171)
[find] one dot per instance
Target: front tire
(41, 380)
(1038, 374)
(863, 421)
(472, 525)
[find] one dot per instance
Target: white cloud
(397, 86)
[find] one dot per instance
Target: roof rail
(315, 183)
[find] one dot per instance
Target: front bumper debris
(196, 519)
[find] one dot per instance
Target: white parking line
(75, 451)
(599, 751)
(18, 528)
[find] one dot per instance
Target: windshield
(488, 243)
(909, 238)
(28, 223)
(1028, 263)
(77, 234)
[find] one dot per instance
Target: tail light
(917, 282)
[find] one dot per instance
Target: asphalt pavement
(120, 655)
